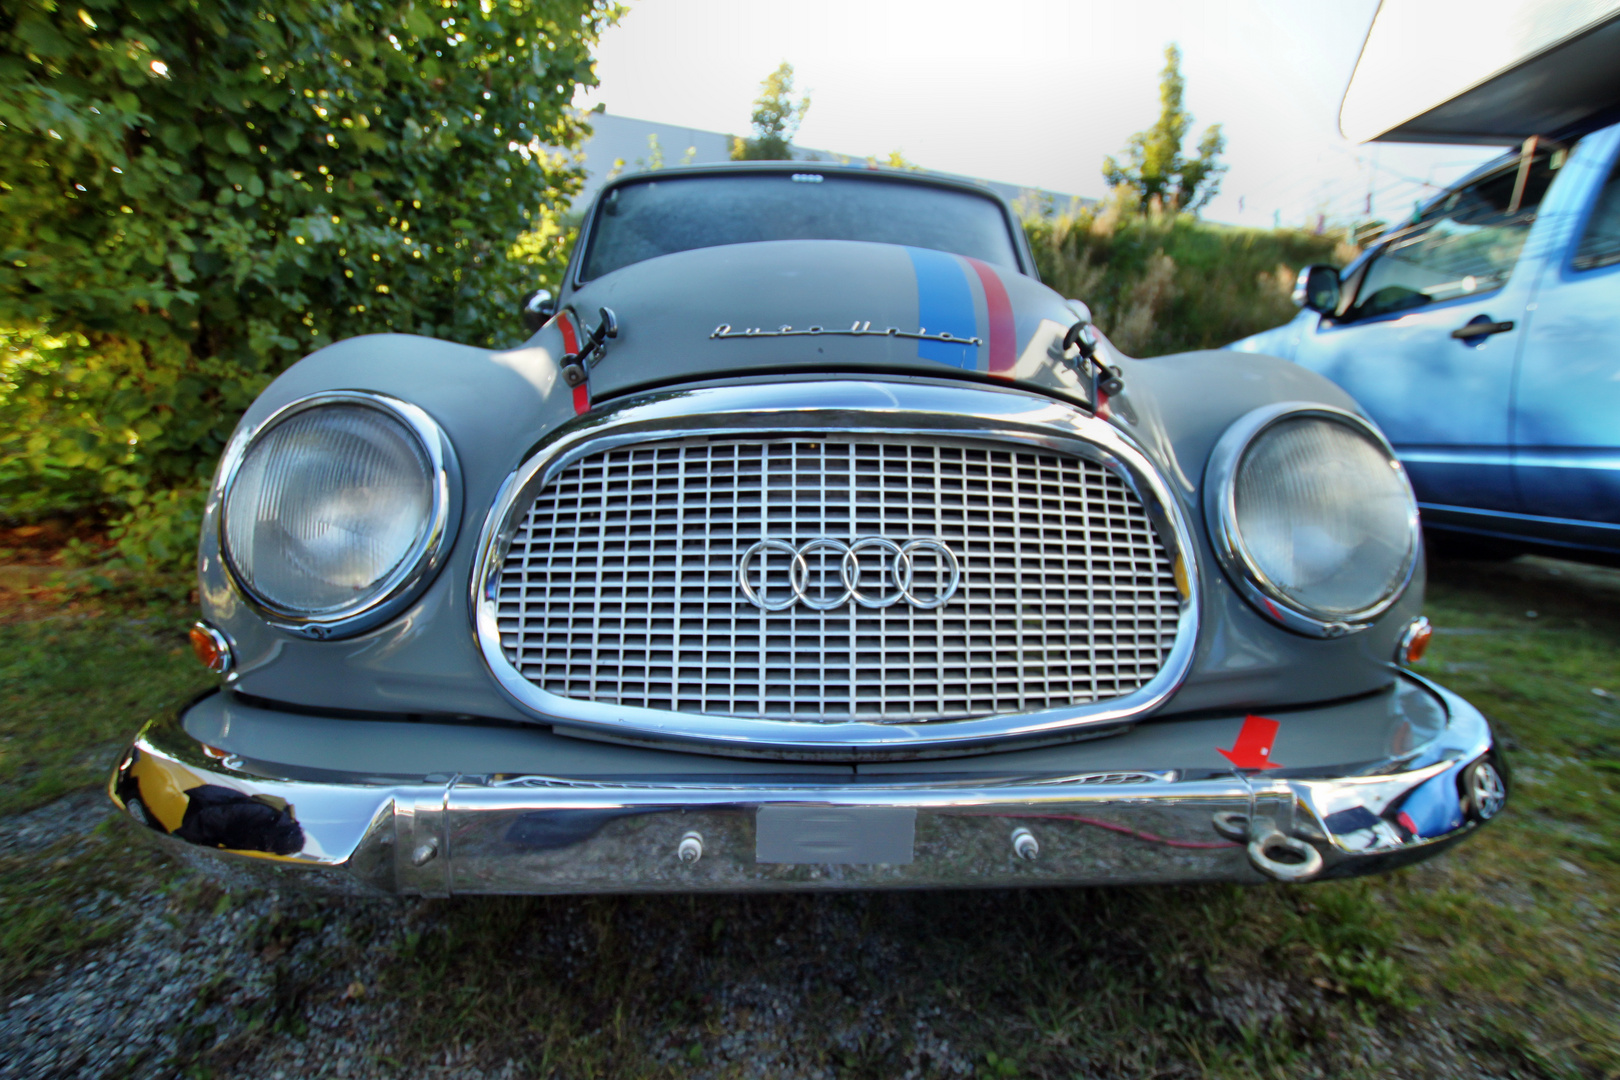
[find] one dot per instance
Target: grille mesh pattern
(620, 585)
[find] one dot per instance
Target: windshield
(643, 220)
(1467, 242)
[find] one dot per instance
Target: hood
(826, 305)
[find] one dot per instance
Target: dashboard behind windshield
(646, 219)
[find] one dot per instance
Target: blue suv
(1484, 338)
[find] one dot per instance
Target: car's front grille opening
(621, 583)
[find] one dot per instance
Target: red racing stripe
(1003, 335)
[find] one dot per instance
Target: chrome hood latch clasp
(592, 349)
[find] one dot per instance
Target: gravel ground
(279, 985)
(74, 816)
(180, 982)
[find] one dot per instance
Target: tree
(1155, 170)
(895, 159)
(776, 119)
(654, 160)
(196, 193)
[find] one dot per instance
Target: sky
(1038, 92)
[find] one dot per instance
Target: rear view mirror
(1317, 288)
(538, 306)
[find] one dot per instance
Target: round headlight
(337, 506)
(1312, 516)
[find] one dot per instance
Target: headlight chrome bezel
(402, 585)
(1220, 513)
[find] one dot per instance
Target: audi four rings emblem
(849, 573)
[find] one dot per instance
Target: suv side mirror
(1317, 288)
(538, 306)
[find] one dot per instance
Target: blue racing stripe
(944, 306)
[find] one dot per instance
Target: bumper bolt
(1024, 844)
(1233, 825)
(690, 849)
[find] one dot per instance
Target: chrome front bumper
(434, 835)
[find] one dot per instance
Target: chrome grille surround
(611, 682)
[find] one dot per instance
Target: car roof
(862, 169)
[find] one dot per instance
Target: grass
(1500, 957)
(75, 683)
(76, 680)
(1536, 921)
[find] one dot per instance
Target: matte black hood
(826, 305)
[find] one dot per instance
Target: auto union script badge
(901, 573)
(856, 329)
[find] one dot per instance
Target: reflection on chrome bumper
(544, 834)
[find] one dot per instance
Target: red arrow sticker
(1253, 747)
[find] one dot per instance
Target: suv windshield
(654, 217)
(1465, 243)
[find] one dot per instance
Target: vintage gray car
(810, 543)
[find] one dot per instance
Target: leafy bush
(1161, 283)
(196, 193)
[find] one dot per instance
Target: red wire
(1199, 845)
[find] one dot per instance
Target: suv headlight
(1312, 517)
(337, 511)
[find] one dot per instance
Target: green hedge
(195, 193)
(1159, 284)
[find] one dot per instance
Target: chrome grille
(620, 583)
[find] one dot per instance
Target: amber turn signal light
(1415, 641)
(213, 651)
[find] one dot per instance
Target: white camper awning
(1490, 72)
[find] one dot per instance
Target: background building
(623, 144)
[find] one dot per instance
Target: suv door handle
(1479, 329)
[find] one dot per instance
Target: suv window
(1465, 243)
(1600, 246)
(659, 217)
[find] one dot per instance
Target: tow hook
(1272, 852)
